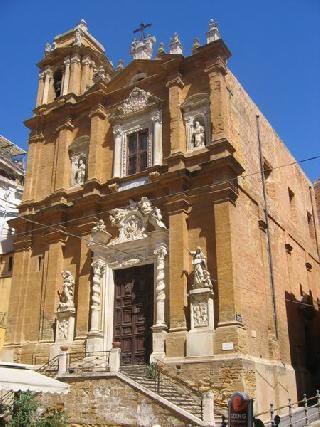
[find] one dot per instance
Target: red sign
(240, 410)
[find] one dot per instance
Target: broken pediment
(137, 101)
(133, 220)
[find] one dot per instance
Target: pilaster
(54, 263)
(177, 139)
(62, 161)
(178, 210)
(75, 76)
(98, 130)
(40, 89)
(66, 77)
(33, 158)
(219, 99)
(85, 75)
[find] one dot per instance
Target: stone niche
(196, 115)
(78, 153)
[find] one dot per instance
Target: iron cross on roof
(141, 29)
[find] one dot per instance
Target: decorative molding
(137, 101)
(175, 81)
(217, 66)
(132, 221)
(98, 111)
(67, 125)
(75, 58)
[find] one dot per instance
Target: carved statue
(67, 294)
(100, 226)
(133, 220)
(198, 135)
(80, 174)
(201, 277)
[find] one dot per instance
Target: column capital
(117, 130)
(156, 117)
(175, 81)
(67, 60)
(36, 137)
(178, 204)
(86, 60)
(75, 58)
(47, 71)
(66, 125)
(98, 111)
(218, 65)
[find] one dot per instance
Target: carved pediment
(137, 101)
(133, 220)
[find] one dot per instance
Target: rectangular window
(10, 263)
(137, 159)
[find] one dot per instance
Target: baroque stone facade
(170, 168)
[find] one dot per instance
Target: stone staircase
(168, 388)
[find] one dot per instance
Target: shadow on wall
(304, 336)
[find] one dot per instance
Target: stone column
(160, 253)
(219, 100)
(47, 82)
(178, 264)
(118, 135)
(157, 135)
(97, 136)
(75, 76)
(85, 75)
(66, 76)
(62, 177)
(177, 133)
(159, 329)
(95, 336)
(40, 89)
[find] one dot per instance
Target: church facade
(163, 214)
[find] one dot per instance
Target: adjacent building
(11, 188)
(163, 214)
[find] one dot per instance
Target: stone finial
(142, 49)
(47, 48)
(161, 50)
(82, 26)
(213, 34)
(175, 45)
(120, 65)
(99, 74)
(195, 45)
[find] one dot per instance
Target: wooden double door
(133, 313)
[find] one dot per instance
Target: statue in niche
(66, 297)
(201, 275)
(80, 174)
(198, 135)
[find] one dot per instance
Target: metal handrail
(52, 367)
(304, 404)
(161, 374)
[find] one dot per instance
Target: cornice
(98, 111)
(174, 81)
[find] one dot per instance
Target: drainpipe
(266, 218)
(314, 220)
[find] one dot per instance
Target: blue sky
(275, 47)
